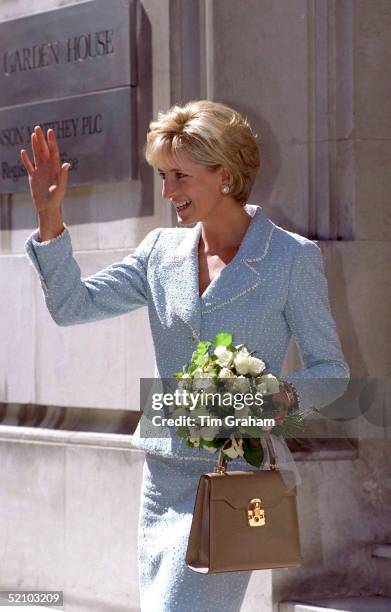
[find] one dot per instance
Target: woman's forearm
(50, 223)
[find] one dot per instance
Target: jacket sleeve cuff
(45, 255)
(317, 392)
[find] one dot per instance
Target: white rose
(242, 362)
(180, 411)
(226, 373)
(240, 385)
(224, 356)
(242, 413)
(207, 433)
(199, 373)
(210, 387)
(195, 440)
(235, 449)
(210, 449)
(269, 384)
(199, 379)
(242, 349)
(256, 366)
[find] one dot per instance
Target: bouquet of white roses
(227, 400)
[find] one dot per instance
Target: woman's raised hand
(47, 177)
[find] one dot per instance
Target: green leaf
(192, 367)
(222, 339)
(252, 430)
(213, 443)
(253, 455)
(204, 360)
(200, 354)
(202, 348)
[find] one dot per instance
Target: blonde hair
(209, 133)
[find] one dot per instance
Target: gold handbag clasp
(255, 513)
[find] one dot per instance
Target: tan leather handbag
(244, 521)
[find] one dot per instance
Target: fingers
(62, 181)
(60, 188)
(35, 148)
(42, 142)
(43, 151)
(39, 146)
(26, 162)
(53, 147)
(64, 176)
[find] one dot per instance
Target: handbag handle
(221, 466)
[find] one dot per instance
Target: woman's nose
(168, 188)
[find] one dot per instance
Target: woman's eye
(178, 175)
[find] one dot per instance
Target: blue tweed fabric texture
(273, 289)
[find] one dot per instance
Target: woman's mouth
(180, 206)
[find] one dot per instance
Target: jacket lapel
(243, 274)
(181, 283)
(240, 276)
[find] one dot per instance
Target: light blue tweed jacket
(273, 288)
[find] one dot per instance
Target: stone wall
(312, 78)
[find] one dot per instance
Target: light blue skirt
(169, 487)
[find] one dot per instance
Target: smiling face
(193, 189)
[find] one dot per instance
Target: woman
(232, 270)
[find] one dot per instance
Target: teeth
(180, 205)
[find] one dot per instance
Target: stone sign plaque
(94, 131)
(71, 50)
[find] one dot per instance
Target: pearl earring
(225, 189)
